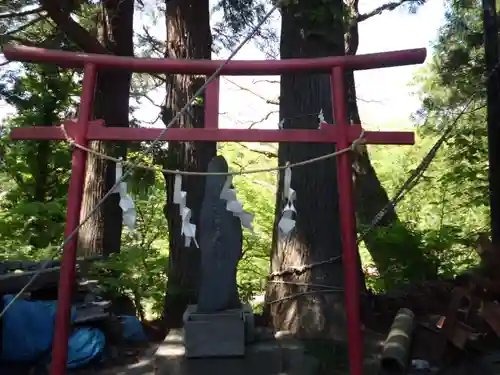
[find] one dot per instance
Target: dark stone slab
(221, 241)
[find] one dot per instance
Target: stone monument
(217, 330)
(219, 325)
(221, 241)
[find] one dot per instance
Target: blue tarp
(28, 330)
(132, 329)
(85, 345)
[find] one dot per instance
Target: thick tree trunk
(42, 163)
(42, 170)
(43, 149)
(188, 36)
(316, 310)
(102, 233)
(490, 21)
(389, 257)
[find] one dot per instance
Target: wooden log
(395, 354)
(491, 313)
(8, 266)
(13, 282)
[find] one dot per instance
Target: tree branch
(154, 44)
(388, 6)
(265, 80)
(267, 153)
(26, 25)
(145, 96)
(22, 41)
(368, 100)
(268, 101)
(20, 14)
(78, 34)
(265, 118)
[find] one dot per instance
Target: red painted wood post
(212, 104)
(75, 193)
(347, 225)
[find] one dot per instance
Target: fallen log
(15, 274)
(396, 351)
(14, 282)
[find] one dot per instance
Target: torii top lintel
(235, 67)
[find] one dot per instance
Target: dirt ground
(424, 300)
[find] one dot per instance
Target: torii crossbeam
(342, 134)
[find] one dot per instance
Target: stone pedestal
(221, 334)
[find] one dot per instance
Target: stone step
(272, 357)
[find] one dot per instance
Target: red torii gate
(83, 130)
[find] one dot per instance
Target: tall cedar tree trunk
(490, 21)
(42, 158)
(313, 312)
(389, 256)
(188, 37)
(102, 233)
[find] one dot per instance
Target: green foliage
(444, 226)
(35, 174)
(449, 207)
(257, 192)
(239, 17)
(138, 271)
(455, 77)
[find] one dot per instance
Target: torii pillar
(342, 134)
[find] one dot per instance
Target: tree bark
(42, 156)
(188, 37)
(490, 22)
(102, 233)
(389, 258)
(317, 310)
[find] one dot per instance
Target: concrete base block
(220, 334)
(249, 323)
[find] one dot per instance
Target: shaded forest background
(430, 234)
